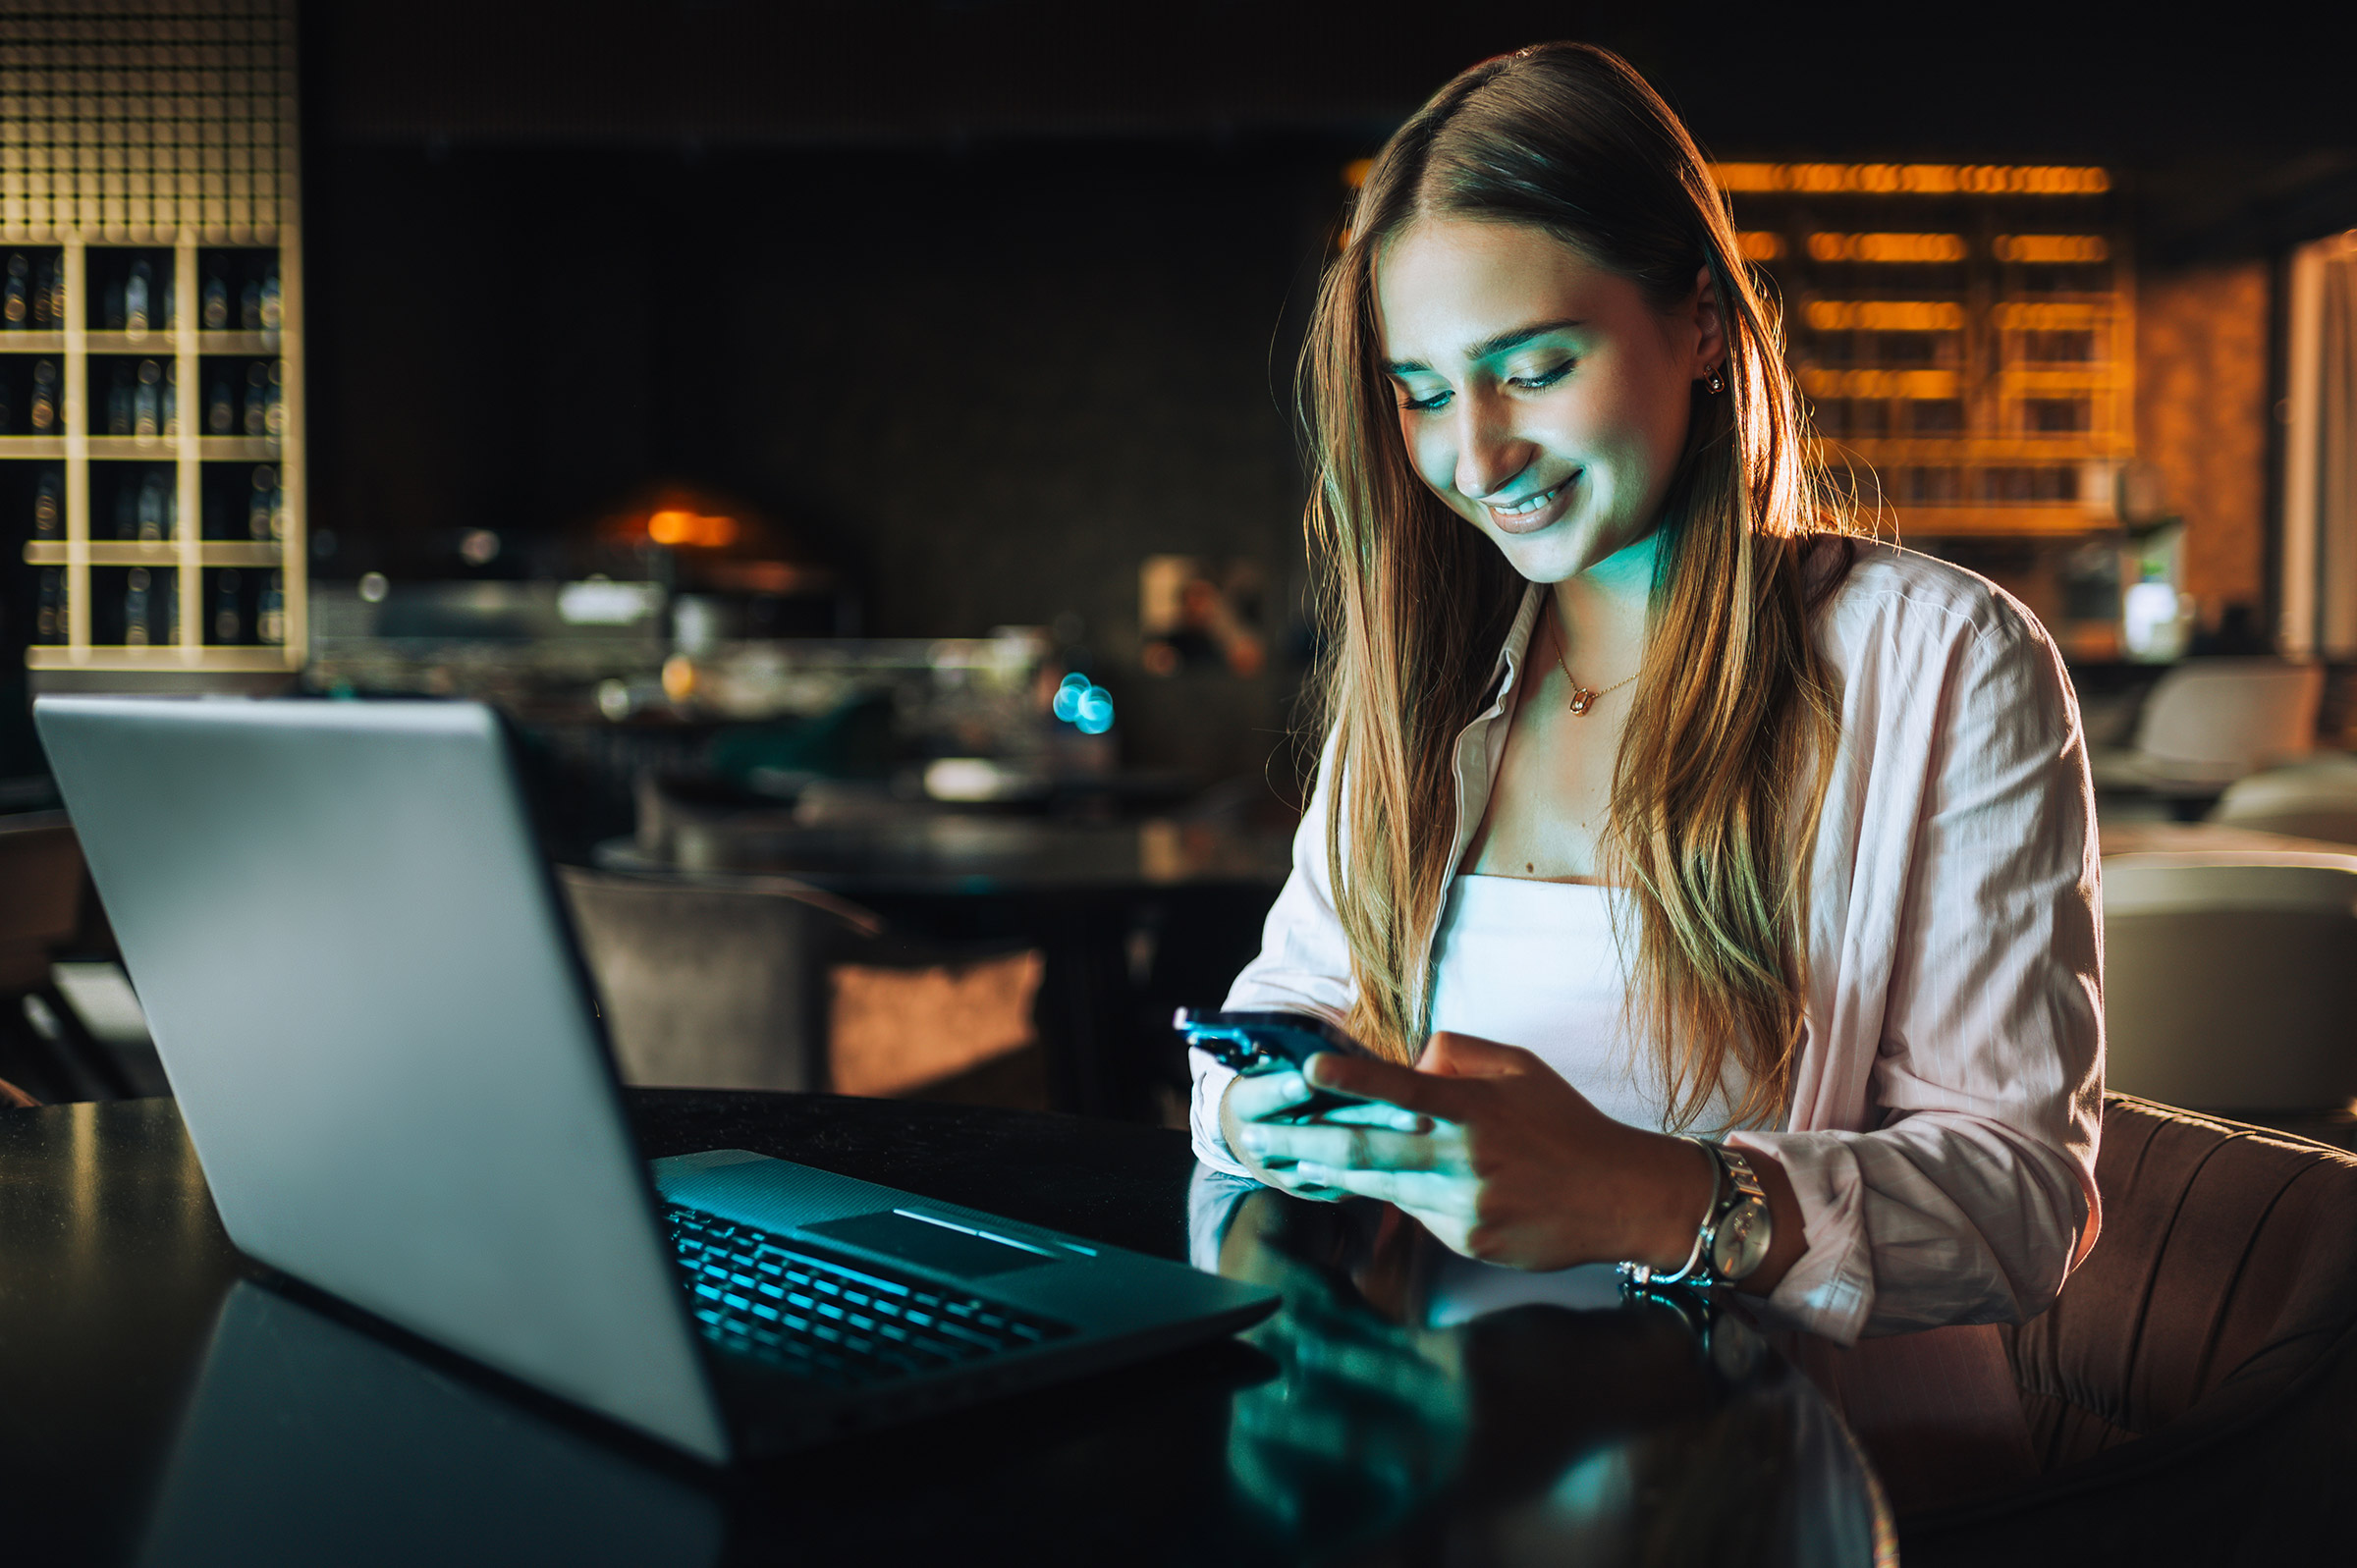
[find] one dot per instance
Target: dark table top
(162, 1401)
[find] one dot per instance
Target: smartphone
(1270, 1042)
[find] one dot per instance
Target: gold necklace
(1582, 698)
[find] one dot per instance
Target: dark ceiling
(2241, 138)
(720, 71)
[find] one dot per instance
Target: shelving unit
(1965, 335)
(165, 128)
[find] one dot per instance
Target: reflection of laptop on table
(362, 984)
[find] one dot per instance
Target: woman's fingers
(1471, 1057)
(1257, 1095)
(1420, 1191)
(1352, 1148)
(1374, 1114)
(1365, 1078)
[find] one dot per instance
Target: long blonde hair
(1724, 763)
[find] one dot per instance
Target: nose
(1490, 456)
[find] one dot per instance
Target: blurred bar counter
(635, 720)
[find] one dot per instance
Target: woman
(1651, 801)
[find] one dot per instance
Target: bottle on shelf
(171, 401)
(49, 302)
(16, 295)
(170, 593)
(274, 414)
(227, 619)
(137, 288)
(45, 408)
(157, 503)
(250, 307)
(272, 314)
(147, 404)
(135, 608)
(49, 506)
(49, 608)
(270, 615)
(119, 397)
(215, 310)
(258, 400)
(221, 409)
(266, 507)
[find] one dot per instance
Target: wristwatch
(1735, 1234)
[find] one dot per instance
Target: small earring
(1716, 382)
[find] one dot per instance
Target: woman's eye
(1424, 405)
(1544, 378)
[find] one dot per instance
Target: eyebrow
(1490, 347)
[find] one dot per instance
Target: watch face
(1742, 1240)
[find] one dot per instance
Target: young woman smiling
(1652, 799)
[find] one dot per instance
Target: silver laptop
(364, 986)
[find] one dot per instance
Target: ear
(1710, 345)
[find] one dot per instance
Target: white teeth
(1523, 509)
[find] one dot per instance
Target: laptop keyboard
(834, 1322)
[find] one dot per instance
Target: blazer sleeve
(1303, 966)
(1973, 1193)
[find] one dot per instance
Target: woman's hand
(1490, 1150)
(1253, 1098)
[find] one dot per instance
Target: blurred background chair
(2312, 799)
(2210, 721)
(762, 983)
(2187, 1393)
(2230, 979)
(45, 1047)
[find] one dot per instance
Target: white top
(1536, 964)
(1948, 1083)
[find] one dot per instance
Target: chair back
(2225, 1273)
(705, 987)
(2315, 799)
(2228, 716)
(40, 895)
(748, 982)
(2230, 979)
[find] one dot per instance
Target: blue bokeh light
(1095, 710)
(1067, 696)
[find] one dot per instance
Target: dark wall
(989, 299)
(988, 383)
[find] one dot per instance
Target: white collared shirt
(1948, 1088)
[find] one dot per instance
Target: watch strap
(1735, 1186)
(1698, 1259)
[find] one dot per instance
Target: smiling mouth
(1522, 515)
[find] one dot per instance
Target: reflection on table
(166, 1408)
(309, 1440)
(1504, 1417)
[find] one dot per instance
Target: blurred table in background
(2205, 837)
(1135, 918)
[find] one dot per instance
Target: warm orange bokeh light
(674, 526)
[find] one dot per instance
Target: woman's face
(1542, 397)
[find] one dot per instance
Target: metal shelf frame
(157, 125)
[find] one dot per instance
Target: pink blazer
(1948, 1084)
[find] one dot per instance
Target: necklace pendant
(1581, 699)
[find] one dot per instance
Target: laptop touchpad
(930, 1243)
